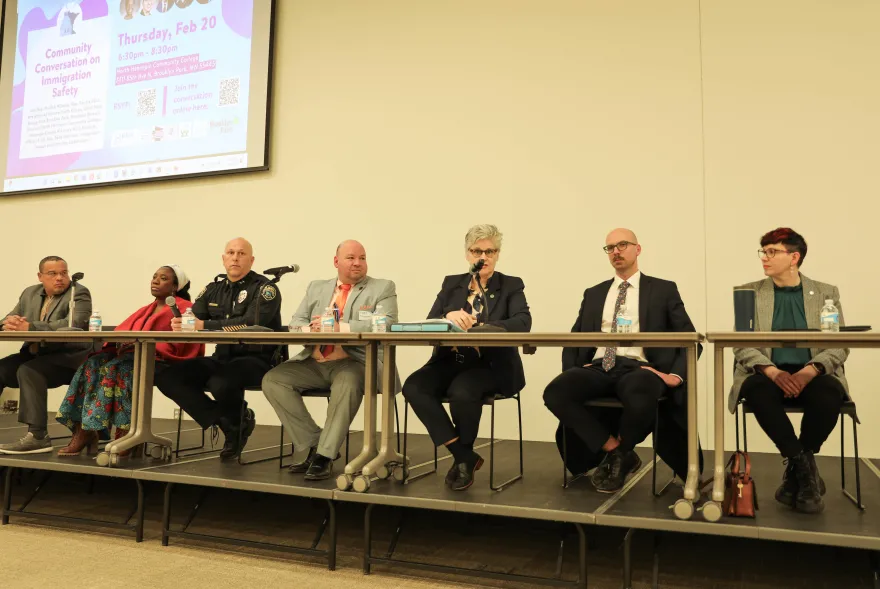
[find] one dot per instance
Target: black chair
(487, 401)
(616, 404)
(281, 455)
(847, 409)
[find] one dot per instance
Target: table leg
(720, 408)
(370, 400)
(387, 454)
(143, 428)
(693, 476)
(135, 399)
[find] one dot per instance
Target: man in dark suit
(39, 367)
(638, 377)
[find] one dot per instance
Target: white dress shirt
(632, 307)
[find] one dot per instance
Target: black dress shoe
(301, 467)
(237, 435)
(321, 468)
(620, 465)
(465, 473)
(451, 475)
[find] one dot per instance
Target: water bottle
(188, 321)
(829, 319)
(95, 321)
(328, 321)
(379, 320)
(624, 321)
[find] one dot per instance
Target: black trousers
(636, 388)
(34, 376)
(464, 383)
(185, 383)
(821, 401)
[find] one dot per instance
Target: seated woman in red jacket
(99, 396)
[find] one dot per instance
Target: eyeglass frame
(478, 253)
(620, 246)
(764, 253)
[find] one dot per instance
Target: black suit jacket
(660, 309)
(508, 310)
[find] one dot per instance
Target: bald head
(238, 258)
(621, 234)
(351, 261)
(623, 249)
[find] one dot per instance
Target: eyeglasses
(621, 246)
(53, 274)
(771, 253)
(478, 253)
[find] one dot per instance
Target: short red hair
(791, 239)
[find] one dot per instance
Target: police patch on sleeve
(270, 292)
(242, 296)
(201, 294)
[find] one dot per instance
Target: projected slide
(110, 90)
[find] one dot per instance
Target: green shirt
(788, 313)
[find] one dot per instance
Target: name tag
(365, 315)
(213, 304)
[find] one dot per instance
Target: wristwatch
(819, 368)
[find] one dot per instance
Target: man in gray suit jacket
(338, 368)
(38, 367)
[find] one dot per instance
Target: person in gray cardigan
(38, 367)
(810, 378)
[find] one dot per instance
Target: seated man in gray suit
(338, 368)
(38, 367)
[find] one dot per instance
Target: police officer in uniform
(229, 304)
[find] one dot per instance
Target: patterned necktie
(341, 298)
(610, 356)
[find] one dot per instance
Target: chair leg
(396, 425)
(519, 417)
(654, 452)
(564, 459)
(856, 451)
(518, 477)
(843, 453)
(745, 433)
(736, 422)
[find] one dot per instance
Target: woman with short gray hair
(465, 376)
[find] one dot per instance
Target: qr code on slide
(229, 89)
(146, 106)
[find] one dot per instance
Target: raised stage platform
(539, 496)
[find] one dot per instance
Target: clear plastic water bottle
(188, 321)
(829, 319)
(379, 320)
(624, 321)
(95, 321)
(328, 321)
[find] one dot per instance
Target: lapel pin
(491, 296)
(811, 293)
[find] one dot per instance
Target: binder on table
(429, 325)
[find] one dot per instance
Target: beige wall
(555, 120)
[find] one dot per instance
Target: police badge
(242, 296)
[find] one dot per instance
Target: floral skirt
(99, 396)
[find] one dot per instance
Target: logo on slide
(68, 18)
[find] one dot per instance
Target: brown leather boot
(82, 439)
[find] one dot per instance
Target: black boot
(236, 434)
(808, 499)
(787, 491)
(618, 465)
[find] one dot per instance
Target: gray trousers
(284, 385)
(34, 376)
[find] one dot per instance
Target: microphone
(172, 302)
(77, 277)
(71, 307)
(281, 270)
(478, 265)
(475, 271)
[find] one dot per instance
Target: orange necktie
(341, 298)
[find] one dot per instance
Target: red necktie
(341, 298)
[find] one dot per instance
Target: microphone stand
(71, 309)
(485, 310)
